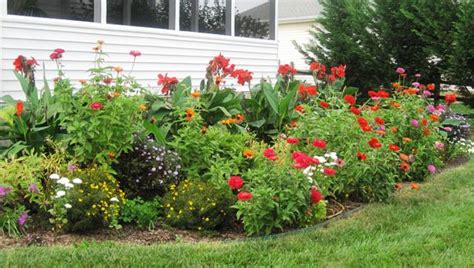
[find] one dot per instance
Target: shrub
(142, 213)
(148, 169)
(90, 199)
(195, 204)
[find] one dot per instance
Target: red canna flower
(339, 71)
(293, 140)
(319, 144)
(450, 98)
(235, 182)
(166, 82)
(324, 104)
(315, 195)
(19, 108)
(394, 147)
(374, 143)
(350, 99)
(244, 196)
(270, 154)
(286, 69)
(329, 171)
(361, 156)
(243, 76)
(18, 63)
(96, 106)
(379, 121)
(314, 66)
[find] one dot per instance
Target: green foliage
(195, 204)
(148, 169)
(142, 213)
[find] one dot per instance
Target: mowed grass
(430, 227)
(466, 110)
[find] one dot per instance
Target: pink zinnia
(135, 53)
(439, 145)
(270, 154)
(96, 106)
(400, 70)
(432, 169)
(414, 122)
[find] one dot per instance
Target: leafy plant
(142, 213)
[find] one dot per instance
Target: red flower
(319, 144)
(354, 110)
(235, 182)
(314, 66)
(375, 107)
(96, 106)
(361, 156)
(339, 71)
(366, 128)
(381, 94)
(310, 90)
(244, 196)
(431, 87)
(292, 140)
(299, 108)
(243, 76)
(302, 160)
(450, 98)
(19, 108)
(350, 99)
(379, 121)
(135, 53)
(329, 171)
(57, 54)
(270, 154)
(384, 94)
(394, 147)
(59, 50)
(166, 82)
(362, 122)
(374, 143)
(286, 69)
(107, 80)
(331, 78)
(18, 63)
(324, 104)
(315, 195)
(404, 166)
(32, 62)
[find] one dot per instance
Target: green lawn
(430, 227)
(464, 109)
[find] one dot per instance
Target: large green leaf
(160, 133)
(271, 96)
(350, 91)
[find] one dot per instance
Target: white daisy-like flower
(114, 199)
(333, 155)
(63, 181)
(77, 181)
(68, 206)
(321, 159)
(60, 193)
(69, 185)
(54, 176)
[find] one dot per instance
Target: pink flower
(33, 188)
(57, 54)
(415, 84)
(400, 70)
(96, 106)
(270, 154)
(427, 93)
(417, 75)
(439, 145)
(431, 108)
(135, 53)
(432, 169)
(414, 122)
(23, 218)
(292, 140)
(448, 129)
(4, 191)
(59, 50)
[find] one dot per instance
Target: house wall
(287, 32)
(163, 51)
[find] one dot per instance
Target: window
(205, 16)
(252, 18)
(82, 10)
(146, 13)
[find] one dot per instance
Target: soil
(161, 234)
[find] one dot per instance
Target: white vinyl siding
(163, 51)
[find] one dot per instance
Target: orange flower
(411, 91)
(189, 114)
(394, 129)
(426, 132)
(117, 69)
(83, 81)
(380, 132)
(415, 186)
(196, 94)
(424, 122)
(405, 166)
(248, 153)
(218, 80)
(434, 117)
(407, 140)
(111, 155)
(420, 110)
(239, 118)
(398, 186)
(19, 108)
(294, 123)
(142, 107)
(395, 104)
(396, 85)
(404, 157)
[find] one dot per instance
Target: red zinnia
(394, 147)
(235, 182)
(19, 108)
(270, 154)
(361, 156)
(350, 99)
(302, 160)
(431, 87)
(324, 104)
(362, 121)
(244, 196)
(374, 143)
(293, 140)
(355, 110)
(299, 108)
(96, 106)
(329, 171)
(319, 144)
(315, 195)
(379, 121)
(450, 98)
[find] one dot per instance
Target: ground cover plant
(107, 152)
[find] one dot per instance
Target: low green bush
(142, 213)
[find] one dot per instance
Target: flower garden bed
(111, 159)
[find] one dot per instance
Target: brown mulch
(131, 234)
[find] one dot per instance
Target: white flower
(77, 181)
(68, 206)
(63, 181)
(69, 185)
(60, 193)
(54, 176)
(114, 199)
(321, 159)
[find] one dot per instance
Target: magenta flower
(427, 93)
(33, 188)
(400, 70)
(414, 123)
(431, 108)
(432, 169)
(23, 218)
(439, 145)
(135, 53)
(448, 129)
(415, 84)
(4, 191)
(71, 168)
